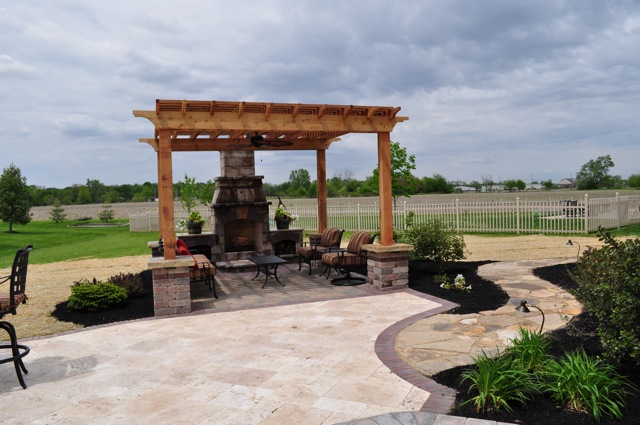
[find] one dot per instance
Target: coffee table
(264, 262)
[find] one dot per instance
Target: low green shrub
(608, 284)
(585, 384)
(434, 241)
(131, 282)
(499, 382)
(95, 296)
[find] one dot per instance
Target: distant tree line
(593, 175)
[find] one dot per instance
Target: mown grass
(54, 242)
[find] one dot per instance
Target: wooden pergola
(195, 125)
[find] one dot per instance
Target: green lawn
(54, 242)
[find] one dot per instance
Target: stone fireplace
(239, 210)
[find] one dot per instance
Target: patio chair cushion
(5, 301)
(354, 256)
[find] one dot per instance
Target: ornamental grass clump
(95, 296)
(499, 383)
(530, 348)
(586, 384)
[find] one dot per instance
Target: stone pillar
(171, 285)
(388, 265)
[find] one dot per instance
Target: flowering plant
(195, 218)
(284, 215)
(459, 283)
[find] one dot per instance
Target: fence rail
(517, 216)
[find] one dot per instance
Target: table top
(266, 260)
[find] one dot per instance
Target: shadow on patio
(237, 291)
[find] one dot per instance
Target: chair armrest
(3, 279)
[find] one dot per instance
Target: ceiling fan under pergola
(257, 141)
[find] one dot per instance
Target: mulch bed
(133, 308)
(485, 296)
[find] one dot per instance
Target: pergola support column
(165, 194)
(384, 188)
(321, 164)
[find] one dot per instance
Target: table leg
(275, 274)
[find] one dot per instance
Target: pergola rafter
(196, 125)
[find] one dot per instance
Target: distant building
(567, 183)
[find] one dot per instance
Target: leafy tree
(548, 184)
(634, 180)
(595, 173)
(476, 185)
(403, 183)
(15, 201)
(435, 184)
(188, 193)
(97, 189)
(512, 185)
(84, 195)
(205, 192)
(300, 178)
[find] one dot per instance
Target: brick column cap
(396, 247)
(161, 263)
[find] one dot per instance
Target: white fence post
(518, 215)
(457, 214)
(586, 213)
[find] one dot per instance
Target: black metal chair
(350, 260)
(9, 304)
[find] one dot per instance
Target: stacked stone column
(171, 288)
(388, 265)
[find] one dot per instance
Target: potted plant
(195, 223)
(283, 218)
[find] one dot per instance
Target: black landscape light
(524, 308)
(570, 242)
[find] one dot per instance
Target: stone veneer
(388, 265)
(171, 288)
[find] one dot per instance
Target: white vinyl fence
(516, 216)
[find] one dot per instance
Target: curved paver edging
(518, 281)
(441, 398)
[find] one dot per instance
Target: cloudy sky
(501, 88)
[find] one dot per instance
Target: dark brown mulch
(133, 308)
(581, 332)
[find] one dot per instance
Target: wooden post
(384, 188)
(159, 179)
(321, 164)
(165, 194)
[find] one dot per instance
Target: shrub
(131, 282)
(608, 283)
(95, 296)
(107, 214)
(435, 241)
(499, 382)
(583, 384)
